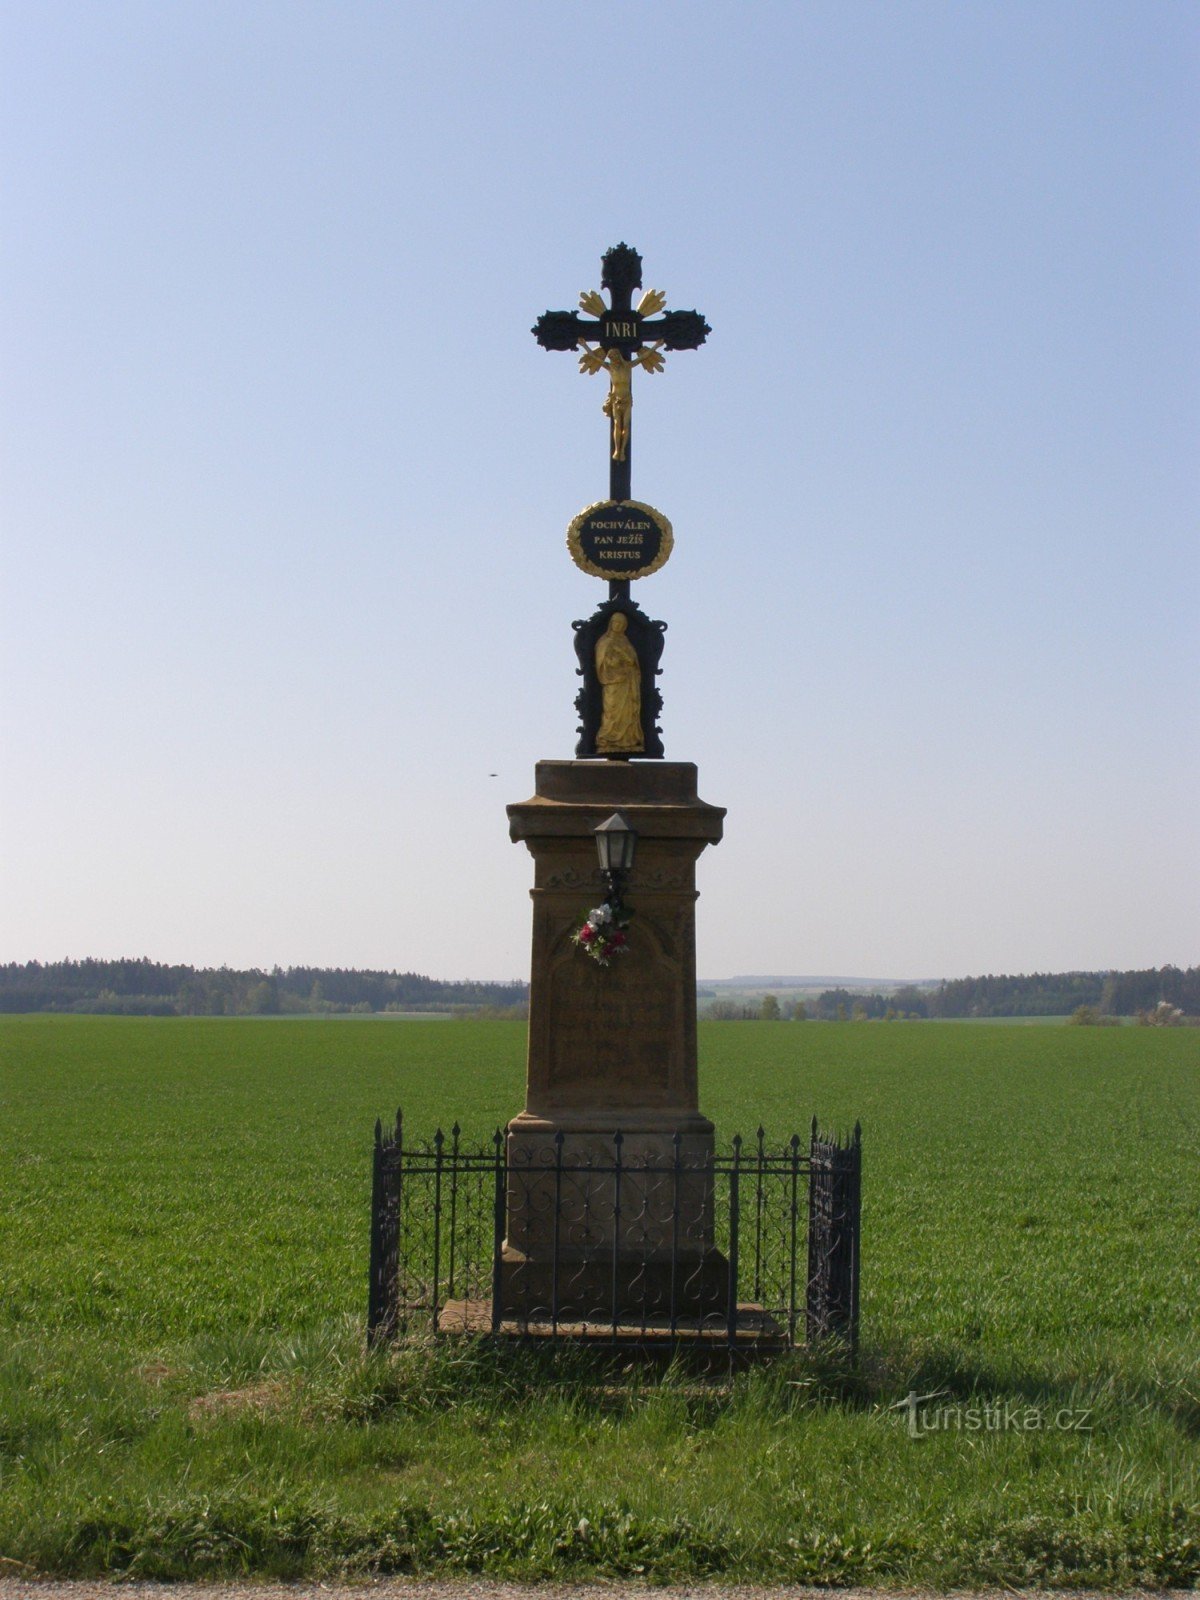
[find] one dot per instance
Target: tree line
(1056, 994)
(151, 988)
(1037, 994)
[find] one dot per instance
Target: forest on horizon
(141, 987)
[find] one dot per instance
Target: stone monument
(612, 1010)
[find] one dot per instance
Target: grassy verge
(305, 1456)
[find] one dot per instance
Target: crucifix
(621, 338)
(619, 647)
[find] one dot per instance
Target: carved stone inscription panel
(614, 1033)
(620, 1036)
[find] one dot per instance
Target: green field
(183, 1389)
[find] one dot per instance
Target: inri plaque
(620, 539)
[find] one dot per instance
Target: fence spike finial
(378, 1132)
(814, 1126)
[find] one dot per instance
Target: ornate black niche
(646, 637)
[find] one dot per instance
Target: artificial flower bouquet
(605, 932)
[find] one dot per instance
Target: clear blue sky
(286, 479)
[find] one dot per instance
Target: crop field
(184, 1389)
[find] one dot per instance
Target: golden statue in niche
(620, 675)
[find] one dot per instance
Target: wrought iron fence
(615, 1239)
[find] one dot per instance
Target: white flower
(600, 916)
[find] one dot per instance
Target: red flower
(616, 941)
(587, 933)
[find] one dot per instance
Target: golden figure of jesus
(619, 401)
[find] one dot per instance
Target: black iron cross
(636, 337)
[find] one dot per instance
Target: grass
(184, 1390)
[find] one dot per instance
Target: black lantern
(616, 843)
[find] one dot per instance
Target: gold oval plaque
(620, 539)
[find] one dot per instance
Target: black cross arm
(562, 330)
(676, 330)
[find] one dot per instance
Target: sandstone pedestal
(597, 1226)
